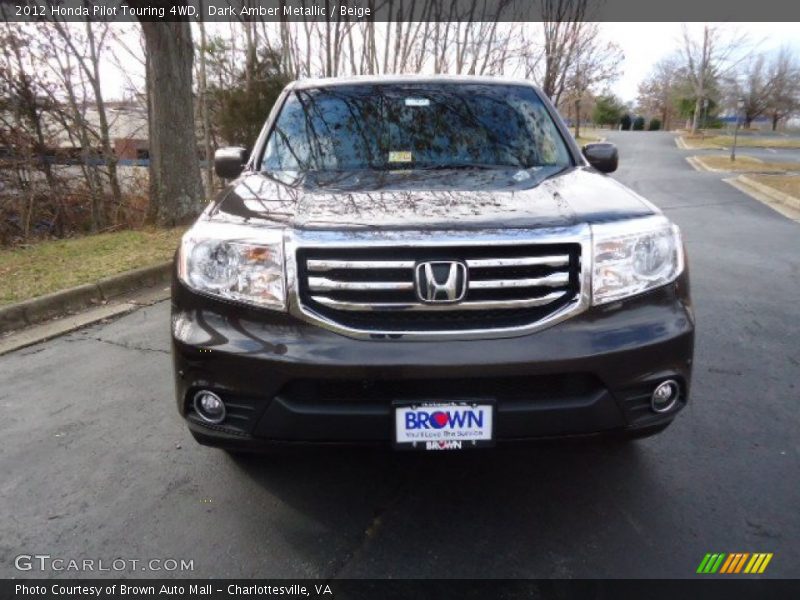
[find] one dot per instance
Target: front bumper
(285, 380)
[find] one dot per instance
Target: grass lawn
(743, 141)
(745, 164)
(589, 135)
(56, 265)
(788, 184)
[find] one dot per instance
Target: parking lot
(96, 462)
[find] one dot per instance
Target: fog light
(665, 396)
(209, 406)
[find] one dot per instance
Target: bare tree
(73, 95)
(659, 93)
(123, 54)
(86, 50)
(58, 128)
(707, 61)
(24, 131)
(564, 28)
(595, 62)
(784, 73)
(754, 87)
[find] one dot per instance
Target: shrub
(626, 121)
(607, 110)
(655, 125)
(638, 124)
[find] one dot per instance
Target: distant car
(429, 262)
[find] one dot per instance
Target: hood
(447, 199)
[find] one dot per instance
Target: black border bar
(355, 11)
(711, 588)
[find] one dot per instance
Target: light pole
(739, 106)
(705, 117)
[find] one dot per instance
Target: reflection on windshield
(414, 126)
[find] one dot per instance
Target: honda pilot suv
(427, 262)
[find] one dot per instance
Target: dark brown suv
(429, 262)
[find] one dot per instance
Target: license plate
(443, 426)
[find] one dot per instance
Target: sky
(643, 44)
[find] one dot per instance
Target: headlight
(634, 256)
(234, 262)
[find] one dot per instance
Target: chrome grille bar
(414, 306)
(532, 261)
(323, 284)
(330, 265)
(554, 280)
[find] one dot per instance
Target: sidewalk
(39, 319)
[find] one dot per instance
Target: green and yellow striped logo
(737, 562)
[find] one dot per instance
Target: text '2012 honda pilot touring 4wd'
(429, 262)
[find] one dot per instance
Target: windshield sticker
(417, 102)
(399, 157)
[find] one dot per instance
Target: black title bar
(400, 10)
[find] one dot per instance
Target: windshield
(414, 126)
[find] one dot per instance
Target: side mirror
(602, 156)
(229, 162)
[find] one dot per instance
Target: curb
(768, 200)
(30, 312)
(699, 165)
(776, 195)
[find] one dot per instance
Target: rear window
(413, 126)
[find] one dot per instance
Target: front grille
(376, 289)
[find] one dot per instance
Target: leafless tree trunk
(250, 35)
(206, 117)
(176, 191)
(105, 131)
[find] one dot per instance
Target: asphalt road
(96, 463)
